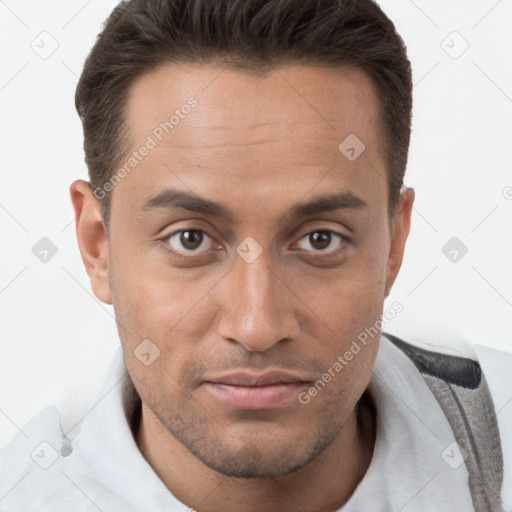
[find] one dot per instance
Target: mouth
(256, 392)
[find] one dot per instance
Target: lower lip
(256, 397)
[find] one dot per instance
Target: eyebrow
(328, 203)
(173, 199)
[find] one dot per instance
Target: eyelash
(178, 255)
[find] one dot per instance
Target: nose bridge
(257, 311)
(257, 286)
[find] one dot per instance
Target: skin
(258, 146)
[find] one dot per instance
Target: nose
(257, 308)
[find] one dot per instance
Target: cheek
(350, 307)
(173, 312)
(152, 297)
(352, 295)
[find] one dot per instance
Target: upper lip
(251, 379)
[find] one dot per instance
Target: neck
(323, 485)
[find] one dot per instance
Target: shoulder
(497, 368)
(40, 471)
(480, 381)
(39, 441)
(32, 452)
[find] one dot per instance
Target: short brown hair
(140, 35)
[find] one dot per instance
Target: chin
(262, 458)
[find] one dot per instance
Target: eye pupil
(320, 239)
(191, 239)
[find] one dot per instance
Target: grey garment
(461, 389)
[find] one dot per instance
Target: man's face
(267, 286)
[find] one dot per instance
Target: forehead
(339, 100)
(213, 128)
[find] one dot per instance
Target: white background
(57, 339)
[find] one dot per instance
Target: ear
(92, 238)
(400, 227)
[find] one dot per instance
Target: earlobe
(92, 238)
(401, 225)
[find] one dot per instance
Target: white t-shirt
(104, 469)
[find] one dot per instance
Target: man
(246, 218)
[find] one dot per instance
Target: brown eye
(320, 241)
(189, 240)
